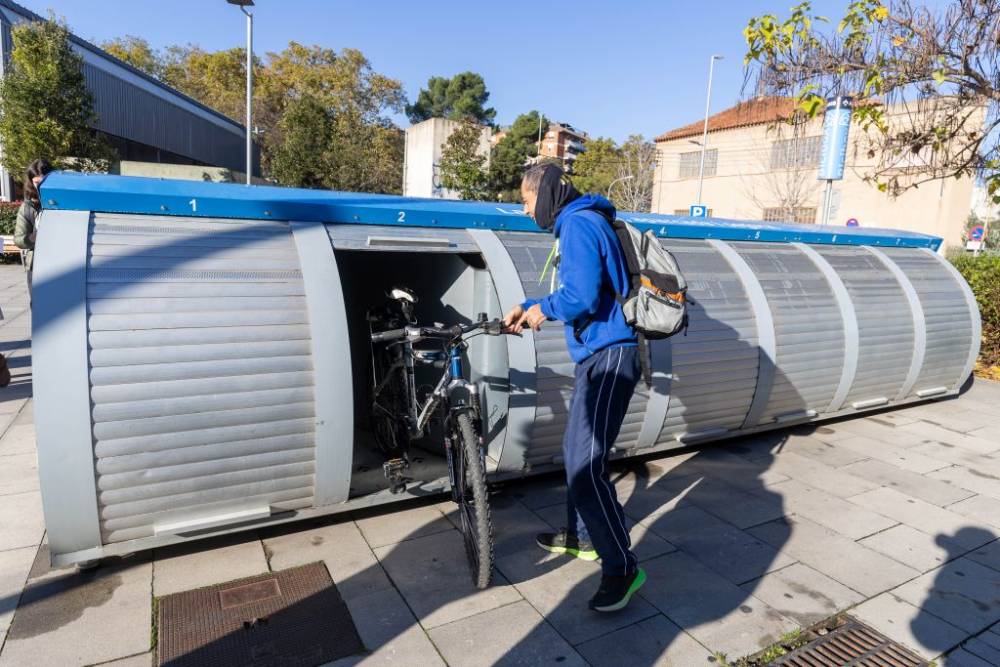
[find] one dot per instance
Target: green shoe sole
(640, 579)
(570, 551)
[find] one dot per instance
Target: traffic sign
(698, 211)
(976, 233)
(853, 222)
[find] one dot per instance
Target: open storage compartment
(451, 288)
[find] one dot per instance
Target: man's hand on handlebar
(518, 318)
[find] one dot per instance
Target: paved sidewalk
(893, 516)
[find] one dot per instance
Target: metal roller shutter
(808, 329)
(885, 325)
(947, 318)
(714, 366)
(201, 371)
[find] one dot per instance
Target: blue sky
(609, 68)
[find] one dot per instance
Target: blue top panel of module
(153, 196)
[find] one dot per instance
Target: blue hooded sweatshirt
(592, 270)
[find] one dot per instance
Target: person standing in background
(25, 231)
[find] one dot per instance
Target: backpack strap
(645, 361)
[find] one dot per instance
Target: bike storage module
(210, 358)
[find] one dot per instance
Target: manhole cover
(853, 644)
(290, 618)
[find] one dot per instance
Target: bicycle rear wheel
(473, 501)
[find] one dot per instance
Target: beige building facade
(757, 168)
(422, 157)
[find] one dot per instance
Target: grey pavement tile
(392, 526)
(348, 558)
(14, 567)
(846, 518)
(748, 505)
(891, 418)
(184, 567)
(962, 420)
(542, 492)
(432, 573)
(956, 531)
(721, 462)
(670, 463)
(802, 594)
(825, 452)
(733, 553)
(22, 520)
(913, 484)
(985, 509)
(907, 459)
(963, 593)
(18, 439)
(877, 428)
(80, 618)
(834, 481)
(962, 658)
(836, 556)
(713, 610)
(937, 433)
(514, 525)
(909, 625)
(988, 555)
(655, 642)
(511, 635)
(645, 543)
(559, 587)
(141, 660)
(959, 456)
(390, 633)
(989, 432)
(642, 501)
(991, 636)
(969, 478)
(826, 432)
(909, 546)
(18, 473)
(981, 649)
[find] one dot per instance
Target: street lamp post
(620, 178)
(704, 131)
(243, 4)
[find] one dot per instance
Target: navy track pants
(604, 385)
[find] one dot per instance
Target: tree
(597, 167)
(462, 97)
(356, 147)
(45, 108)
(463, 165)
(634, 188)
(941, 66)
(137, 52)
(301, 159)
(511, 155)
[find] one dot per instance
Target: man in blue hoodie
(592, 272)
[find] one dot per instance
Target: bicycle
(401, 414)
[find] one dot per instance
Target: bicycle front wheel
(473, 501)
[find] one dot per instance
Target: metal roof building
(144, 119)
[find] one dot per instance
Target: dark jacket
(592, 270)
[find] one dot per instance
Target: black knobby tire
(473, 501)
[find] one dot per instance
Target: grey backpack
(656, 303)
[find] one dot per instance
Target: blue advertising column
(836, 126)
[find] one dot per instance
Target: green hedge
(983, 274)
(8, 216)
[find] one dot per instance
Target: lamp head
(241, 3)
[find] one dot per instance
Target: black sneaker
(566, 543)
(615, 592)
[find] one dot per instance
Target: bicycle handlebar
(489, 327)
